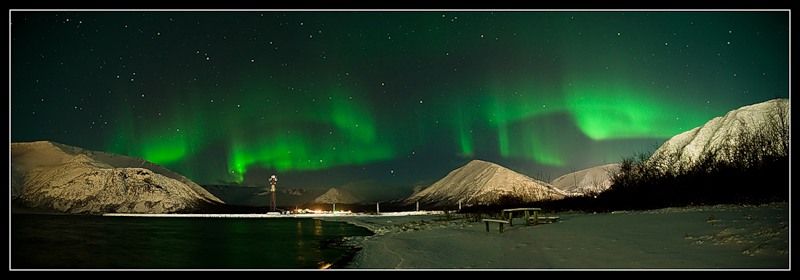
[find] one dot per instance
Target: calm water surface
(67, 241)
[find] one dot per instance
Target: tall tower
(273, 180)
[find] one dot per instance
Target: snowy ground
(714, 237)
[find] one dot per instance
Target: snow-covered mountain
(481, 182)
(334, 195)
(54, 176)
(591, 180)
(686, 148)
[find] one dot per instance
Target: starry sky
(388, 98)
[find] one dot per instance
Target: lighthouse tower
(273, 180)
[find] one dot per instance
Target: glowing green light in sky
(215, 96)
(297, 152)
(348, 138)
(508, 104)
(607, 111)
(502, 141)
(165, 143)
(464, 139)
(351, 118)
(526, 140)
(165, 151)
(510, 108)
(543, 154)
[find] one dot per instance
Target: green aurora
(218, 95)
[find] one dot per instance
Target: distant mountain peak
(590, 180)
(483, 182)
(334, 195)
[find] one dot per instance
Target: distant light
(325, 266)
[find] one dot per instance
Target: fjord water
(70, 241)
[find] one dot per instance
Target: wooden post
(417, 206)
(378, 207)
(535, 217)
(527, 215)
(459, 205)
(501, 227)
(487, 226)
(334, 209)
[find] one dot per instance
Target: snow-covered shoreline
(706, 237)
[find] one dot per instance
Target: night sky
(384, 98)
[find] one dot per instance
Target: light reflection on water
(50, 241)
(300, 243)
(317, 227)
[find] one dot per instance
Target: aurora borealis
(328, 98)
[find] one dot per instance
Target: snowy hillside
(686, 148)
(69, 179)
(481, 182)
(591, 180)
